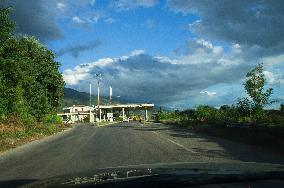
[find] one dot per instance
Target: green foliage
(162, 115)
(282, 108)
(205, 113)
(86, 119)
(52, 119)
(30, 83)
(244, 106)
(7, 26)
(254, 86)
(259, 115)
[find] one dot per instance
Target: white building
(77, 113)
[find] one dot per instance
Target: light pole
(99, 77)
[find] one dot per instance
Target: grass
(12, 136)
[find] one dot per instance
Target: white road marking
(176, 143)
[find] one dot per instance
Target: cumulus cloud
(140, 77)
(75, 50)
(126, 4)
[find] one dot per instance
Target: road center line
(176, 143)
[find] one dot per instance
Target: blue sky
(175, 53)
(150, 29)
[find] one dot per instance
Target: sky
(174, 53)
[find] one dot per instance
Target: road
(85, 148)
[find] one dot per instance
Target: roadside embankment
(12, 136)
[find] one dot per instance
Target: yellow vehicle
(135, 118)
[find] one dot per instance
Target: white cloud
(139, 77)
(205, 43)
(61, 6)
(191, 25)
(76, 19)
(273, 60)
(73, 77)
(273, 78)
(209, 93)
(104, 62)
(126, 4)
(137, 52)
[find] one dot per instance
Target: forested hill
(74, 97)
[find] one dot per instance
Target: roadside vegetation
(31, 86)
(246, 121)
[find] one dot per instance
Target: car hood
(174, 173)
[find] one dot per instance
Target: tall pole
(98, 94)
(90, 103)
(90, 95)
(110, 94)
(98, 77)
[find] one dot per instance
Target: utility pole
(98, 77)
(110, 94)
(90, 103)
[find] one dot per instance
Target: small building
(77, 113)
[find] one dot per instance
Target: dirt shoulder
(12, 136)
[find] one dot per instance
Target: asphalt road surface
(85, 148)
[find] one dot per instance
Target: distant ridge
(73, 97)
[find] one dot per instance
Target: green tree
(30, 82)
(244, 106)
(254, 85)
(7, 26)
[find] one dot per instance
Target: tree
(254, 86)
(7, 26)
(244, 107)
(30, 82)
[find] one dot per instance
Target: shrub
(282, 108)
(206, 113)
(52, 119)
(86, 119)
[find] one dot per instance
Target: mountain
(73, 97)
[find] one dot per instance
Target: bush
(167, 115)
(205, 113)
(259, 115)
(52, 119)
(282, 108)
(86, 119)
